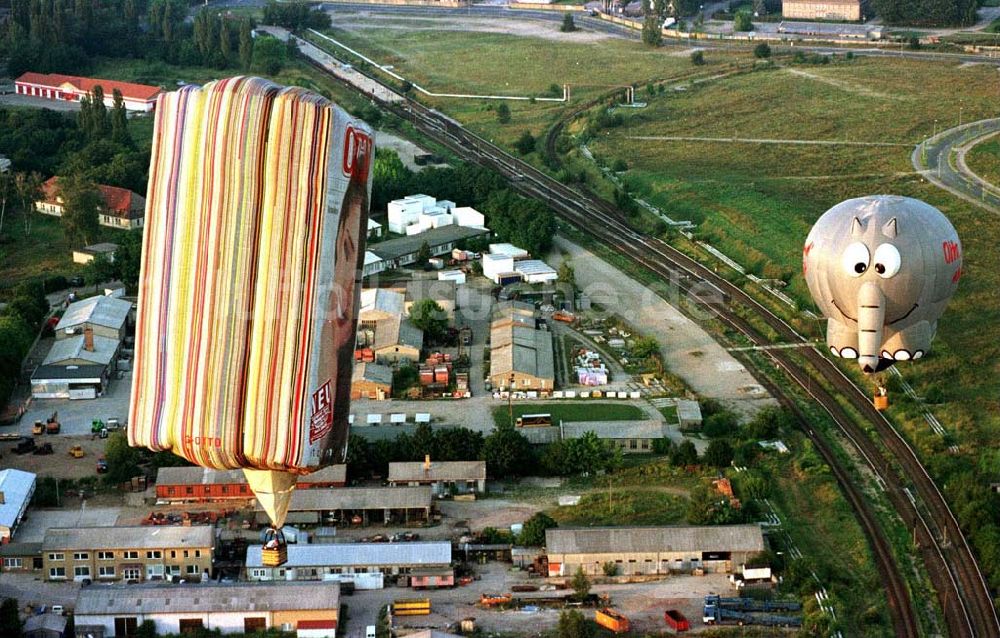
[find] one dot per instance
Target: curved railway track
(962, 590)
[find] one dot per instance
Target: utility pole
(510, 399)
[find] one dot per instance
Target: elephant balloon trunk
(871, 315)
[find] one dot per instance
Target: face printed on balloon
(882, 270)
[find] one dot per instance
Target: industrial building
(417, 214)
(202, 485)
(127, 553)
(309, 609)
(633, 437)
(403, 251)
(421, 564)
(535, 271)
(71, 88)
(848, 10)
(651, 550)
(119, 208)
(16, 489)
(358, 506)
(518, 349)
(443, 476)
(396, 341)
(378, 304)
(371, 381)
(106, 316)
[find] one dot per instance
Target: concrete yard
(688, 350)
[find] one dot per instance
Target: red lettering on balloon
(956, 276)
(322, 417)
(951, 251)
(357, 145)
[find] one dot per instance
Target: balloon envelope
(255, 226)
(882, 270)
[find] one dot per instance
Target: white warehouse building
(417, 210)
(535, 271)
(496, 265)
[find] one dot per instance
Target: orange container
(612, 620)
(881, 402)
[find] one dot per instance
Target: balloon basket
(275, 550)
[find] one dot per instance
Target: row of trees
(522, 221)
(929, 13)
(20, 321)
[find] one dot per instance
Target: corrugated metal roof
(17, 487)
(688, 410)
(99, 310)
(439, 471)
(396, 331)
(531, 357)
(45, 622)
(72, 348)
(381, 300)
(360, 554)
(204, 476)
(360, 498)
(646, 429)
(374, 372)
(533, 267)
(104, 600)
(164, 537)
(680, 538)
(508, 249)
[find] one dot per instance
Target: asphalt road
(936, 159)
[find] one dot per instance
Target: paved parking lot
(76, 416)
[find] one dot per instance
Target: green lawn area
(984, 160)
(627, 507)
(438, 60)
(589, 411)
(669, 413)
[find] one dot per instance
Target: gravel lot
(688, 350)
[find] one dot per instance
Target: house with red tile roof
(71, 88)
(121, 207)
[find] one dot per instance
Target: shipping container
(612, 620)
(676, 620)
(412, 607)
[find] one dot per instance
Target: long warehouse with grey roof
(651, 550)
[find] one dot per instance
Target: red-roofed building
(70, 88)
(121, 208)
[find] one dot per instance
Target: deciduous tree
(533, 531)
(81, 205)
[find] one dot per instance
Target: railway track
(962, 590)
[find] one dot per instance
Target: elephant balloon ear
(857, 227)
(889, 229)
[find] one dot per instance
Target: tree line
(927, 13)
(522, 221)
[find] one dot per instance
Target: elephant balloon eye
(855, 259)
(887, 260)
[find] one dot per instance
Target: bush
(619, 166)
(525, 144)
(743, 22)
(762, 51)
(567, 25)
(697, 58)
(503, 113)
(719, 425)
(610, 568)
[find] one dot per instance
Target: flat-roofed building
(633, 437)
(16, 489)
(421, 564)
(849, 10)
(403, 251)
(688, 414)
(443, 476)
(87, 254)
(651, 550)
(358, 506)
(311, 610)
(127, 553)
(202, 485)
(443, 293)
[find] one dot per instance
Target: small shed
(45, 626)
(688, 414)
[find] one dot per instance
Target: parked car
(102, 465)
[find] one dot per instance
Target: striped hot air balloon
(255, 228)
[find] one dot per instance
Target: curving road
(941, 160)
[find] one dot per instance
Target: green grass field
(589, 411)
(984, 160)
(624, 507)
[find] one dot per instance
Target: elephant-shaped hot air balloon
(882, 269)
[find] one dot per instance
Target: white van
(370, 631)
